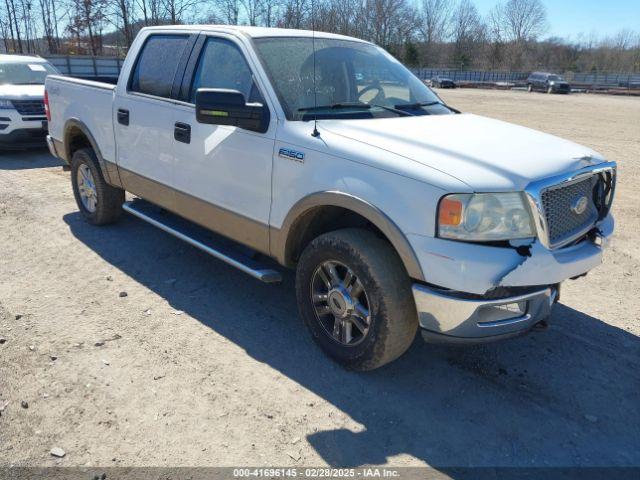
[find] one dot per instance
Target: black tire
(109, 199)
(549, 90)
(529, 88)
(393, 320)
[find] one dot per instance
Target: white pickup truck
(324, 153)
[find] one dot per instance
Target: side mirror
(218, 106)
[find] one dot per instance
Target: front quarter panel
(305, 165)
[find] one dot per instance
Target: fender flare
(109, 169)
(282, 242)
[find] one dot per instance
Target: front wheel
(355, 297)
(529, 88)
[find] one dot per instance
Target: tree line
(421, 33)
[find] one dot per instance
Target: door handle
(123, 116)
(182, 132)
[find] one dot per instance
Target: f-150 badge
(291, 154)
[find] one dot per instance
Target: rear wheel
(355, 297)
(99, 202)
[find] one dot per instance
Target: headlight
(5, 104)
(482, 217)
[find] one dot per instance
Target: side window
(222, 65)
(157, 64)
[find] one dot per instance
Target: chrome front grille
(566, 207)
(565, 210)
(29, 107)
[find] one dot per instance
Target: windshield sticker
(37, 68)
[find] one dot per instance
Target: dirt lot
(201, 365)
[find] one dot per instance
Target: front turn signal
(450, 212)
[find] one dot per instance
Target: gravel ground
(201, 365)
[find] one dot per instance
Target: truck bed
(86, 102)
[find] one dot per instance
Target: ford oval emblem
(579, 205)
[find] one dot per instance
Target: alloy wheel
(87, 188)
(340, 303)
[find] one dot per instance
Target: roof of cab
(254, 32)
(21, 59)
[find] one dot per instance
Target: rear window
(157, 64)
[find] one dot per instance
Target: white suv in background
(22, 117)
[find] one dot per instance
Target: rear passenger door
(224, 171)
(144, 116)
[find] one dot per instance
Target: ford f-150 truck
(323, 153)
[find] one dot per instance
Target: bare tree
(120, 14)
(253, 10)
(467, 30)
(270, 12)
(228, 11)
(176, 10)
(295, 13)
(523, 20)
(514, 25)
(25, 6)
(85, 22)
(435, 15)
(434, 22)
(50, 25)
(391, 22)
(421, 32)
(151, 10)
(14, 25)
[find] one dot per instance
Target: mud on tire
(389, 301)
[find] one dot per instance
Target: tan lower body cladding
(236, 227)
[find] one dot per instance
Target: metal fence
(470, 75)
(587, 80)
(625, 80)
(108, 68)
(87, 66)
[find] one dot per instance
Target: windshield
(24, 73)
(555, 77)
(353, 80)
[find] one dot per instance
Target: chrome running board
(200, 238)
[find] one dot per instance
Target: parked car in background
(23, 122)
(547, 82)
(442, 82)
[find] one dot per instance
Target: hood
(22, 92)
(485, 154)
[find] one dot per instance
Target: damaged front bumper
(445, 317)
(459, 308)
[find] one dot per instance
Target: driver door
(225, 171)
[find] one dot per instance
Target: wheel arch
(325, 211)
(77, 135)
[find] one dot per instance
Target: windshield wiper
(345, 105)
(335, 106)
(425, 104)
